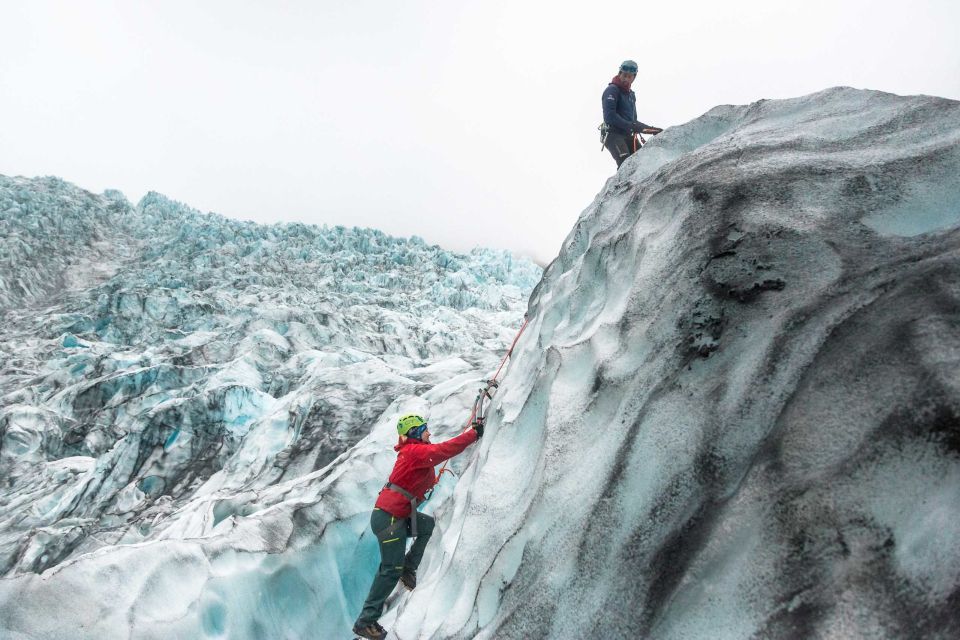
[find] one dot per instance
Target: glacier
(735, 412)
(166, 373)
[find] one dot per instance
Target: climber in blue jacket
(620, 114)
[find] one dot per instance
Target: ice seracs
(167, 375)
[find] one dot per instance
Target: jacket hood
(401, 444)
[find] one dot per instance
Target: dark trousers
(620, 146)
(392, 534)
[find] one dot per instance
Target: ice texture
(736, 411)
(175, 388)
(735, 414)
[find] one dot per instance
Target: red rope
(510, 350)
(473, 413)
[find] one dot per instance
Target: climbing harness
(413, 505)
(638, 140)
(478, 415)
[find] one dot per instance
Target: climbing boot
(409, 579)
(373, 631)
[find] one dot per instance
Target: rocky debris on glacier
(159, 365)
(736, 410)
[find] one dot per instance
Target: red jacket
(413, 470)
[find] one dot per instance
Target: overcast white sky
(467, 123)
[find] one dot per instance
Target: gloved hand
(478, 427)
(651, 131)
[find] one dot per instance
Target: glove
(478, 427)
(651, 131)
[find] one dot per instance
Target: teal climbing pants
(392, 534)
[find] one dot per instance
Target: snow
(733, 413)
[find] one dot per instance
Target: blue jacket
(620, 110)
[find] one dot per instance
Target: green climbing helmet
(409, 421)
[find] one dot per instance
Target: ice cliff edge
(736, 411)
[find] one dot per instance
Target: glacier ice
(736, 410)
(167, 374)
(734, 414)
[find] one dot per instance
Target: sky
(466, 123)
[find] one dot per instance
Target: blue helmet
(629, 66)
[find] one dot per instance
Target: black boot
(373, 631)
(409, 579)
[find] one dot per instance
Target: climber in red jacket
(395, 516)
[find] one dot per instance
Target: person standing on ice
(395, 517)
(620, 124)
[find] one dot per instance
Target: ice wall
(736, 412)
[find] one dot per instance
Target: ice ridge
(736, 411)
